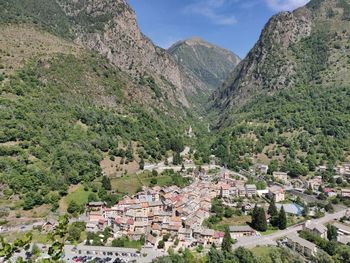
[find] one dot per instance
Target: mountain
(109, 27)
(306, 47)
(210, 63)
(80, 85)
(287, 103)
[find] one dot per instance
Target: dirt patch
(20, 43)
(114, 168)
(18, 217)
(10, 143)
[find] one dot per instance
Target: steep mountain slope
(64, 110)
(307, 46)
(208, 62)
(80, 84)
(110, 28)
(288, 100)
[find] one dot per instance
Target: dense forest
(55, 130)
(298, 128)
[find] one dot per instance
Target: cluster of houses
(231, 188)
(309, 249)
(158, 211)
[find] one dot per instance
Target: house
(225, 190)
(277, 193)
(343, 230)
(241, 231)
(250, 190)
(151, 240)
(316, 229)
(262, 168)
(321, 168)
(241, 191)
(315, 182)
(339, 169)
(330, 192)
(95, 211)
(185, 234)
(280, 176)
(91, 227)
(345, 192)
(345, 240)
(49, 225)
(301, 245)
(292, 209)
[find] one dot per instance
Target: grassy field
(268, 232)
(76, 193)
(233, 221)
(130, 184)
(38, 237)
(263, 253)
(127, 184)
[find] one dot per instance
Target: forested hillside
(287, 102)
(65, 109)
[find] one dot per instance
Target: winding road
(253, 241)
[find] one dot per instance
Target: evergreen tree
(73, 207)
(244, 255)
(142, 163)
(177, 158)
(106, 183)
(282, 219)
(226, 245)
(259, 221)
(215, 256)
(272, 211)
(332, 233)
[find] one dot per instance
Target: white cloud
(212, 9)
(285, 5)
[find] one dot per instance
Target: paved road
(254, 241)
(30, 227)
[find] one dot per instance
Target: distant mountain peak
(210, 63)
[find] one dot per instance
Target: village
(176, 218)
(169, 219)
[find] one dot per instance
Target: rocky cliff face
(210, 63)
(110, 28)
(303, 47)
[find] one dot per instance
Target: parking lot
(101, 254)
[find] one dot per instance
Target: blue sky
(232, 24)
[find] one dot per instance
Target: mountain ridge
(210, 63)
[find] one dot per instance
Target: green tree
(161, 244)
(273, 167)
(74, 208)
(177, 159)
(106, 183)
(259, 221)
(215, 256)
(142, 164)
(272, 210)
(226, 245)
(244, 255)
(332, 233)
(282, 219)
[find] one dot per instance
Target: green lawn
(79, 195)
(38, 236)
(268, 232)
(129, 184)
(233, 221)
(263, 253)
